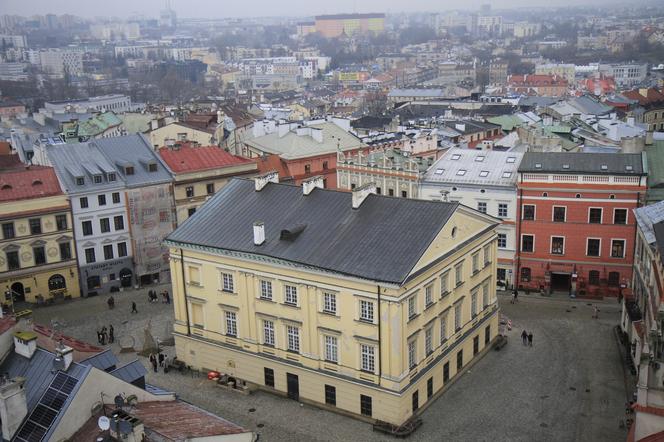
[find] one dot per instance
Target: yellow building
(333, 26)
(37, 253)
(200, 172)
(365, 304)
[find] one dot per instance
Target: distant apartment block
(332, 26)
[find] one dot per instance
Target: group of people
(527, 338)
(106, 335)
(159, 360)
(153, 297)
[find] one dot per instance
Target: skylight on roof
(456, 156)
(479, 158)
(507, 174)
(511, 159)
(484, 173)
(629, 168)
(461, 172)
(565, 166)
(538, 165)
(605, 167)
(439, 171)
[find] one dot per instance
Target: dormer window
(80, 180)
(152, 167)
(479, 158)
(37, 183)
(456, 156)
(629, 168)
(484, 173)
(565, 166)
(439, 171)
(538, 165)
(111, 177)
(605, 167)
(461, 172)
(511, 159)
(507, 174)
(97, 179)
(6, 187)
(129, 170)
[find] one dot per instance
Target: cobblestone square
(569, 386)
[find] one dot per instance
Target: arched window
(56, 282)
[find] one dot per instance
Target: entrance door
(17, 292)
(125, 277)
(476, 345)
(293, 385)
(561, 282)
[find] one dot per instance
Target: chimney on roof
(13, 405)
(259, 233)
(64, 356)
(361, 193)
(261, 181)
(25, 343)
(310, 184)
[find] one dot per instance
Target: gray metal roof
(382, 240)
(470, 166)
(130, 372)
(647, 217)
(416, 93)
(104, 361)
(588, 163)
(79, 159)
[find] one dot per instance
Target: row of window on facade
(559, 214)
(209, 189)
(593, 246)
(613, 279)
(101, 200)
(35, 226)
(502, 208)
(379, 191)
(104, 225)
(90, 254)
(39, 255)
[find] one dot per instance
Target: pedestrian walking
(98, 336)
(153, 361)
(524, 337)
(104, 335)
(166, 363)
(530, 339)
(161, 359)
(595, 312)
(111, 334)
(167, 297)
(133, 307)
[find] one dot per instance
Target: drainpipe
(517, 270)
(184, 291)
(379, 343)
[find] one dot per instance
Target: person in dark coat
(111, 334)
(524, 337)
(161, 359)
(133, 307)
(153, 361)
(530, 339)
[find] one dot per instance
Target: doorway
(561, 282)
(125, 277)
(18, 292)
(293, 385)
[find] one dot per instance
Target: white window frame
(330, 303)
(475, 261)
(366, 310)
(553, 213)
(412, 306)
(486, 253)
(600, 248)
(293, 338)
(428, 341)
(290, 294)
(368, 358)
(601, 214)
(521, 243)
(524, 211)
(626, 216)
(551, 245)
(231, 323)
(412, 353)
(227, 283)
(268, 333)
(444, 284)
(473, 304)
(458, 317)
(624, 241)
(504, 235)
(458, 269)
(331, 345)
(507, 210)
(428, 294)
(485, 296)
(480, 209)
(443, 328)
(265, 290)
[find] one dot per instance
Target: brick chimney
(13, 405)
(262, 180)
(361, 193)
(310, 184)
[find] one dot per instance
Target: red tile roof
(536, 80)
(191, 159)
(5, 148)
(47, 340)
(10, 161)
(30, 182)
(6, 322)
(652, 96)
(648, 409)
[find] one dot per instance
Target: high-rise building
(332, 26)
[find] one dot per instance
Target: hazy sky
(236, 8)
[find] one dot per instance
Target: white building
(114, 102)
(625, 75)
(15, 41)
(484, 180)
(57, 62)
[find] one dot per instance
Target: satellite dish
(104, 423)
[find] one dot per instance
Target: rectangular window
(367, 358)
(40, 255)
(13, 262)
(87, 228)
(593, 247)
(90, 255)
(559, 214)
(458, 274)
(101, 199)
(528, 212)
(119, 222)
(105, 225)
(111, 177)
(227, 282)
(459, 360)
(428, 295)
(446, 372)
(415, 401)
(502, 210)
(268, 332)
(290, 295)
(443, 329)
(617, 248)
(8, 230)
(122, 249)
(35, 226)
(428, 341)
(487, 334)
(330, 395)
(429, 388)
(487, 254)
(619, 216)
(473, 304)
(293, 334)
(457, 317)
(331, 349)
(65, 251)
(80, 181)
(502, 240)
(96, 179)
(404, 194)
(116, 197)
(365, 405)
(485, 295)
(190, 191)
(557, 245)
(209, 188)
(329, 303)
(481, 206)
(231, 324)
(475, 259)
(191, 211)
(108, 251)
(412, 354)
(366, 311)
(595, 215)
(83, 202)
(61, 222)
(412, 310)
(269, 377)
(444, 284)
(527, 243)
(266, 290)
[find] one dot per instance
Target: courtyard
(568, 386)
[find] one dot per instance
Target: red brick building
(575, 223)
